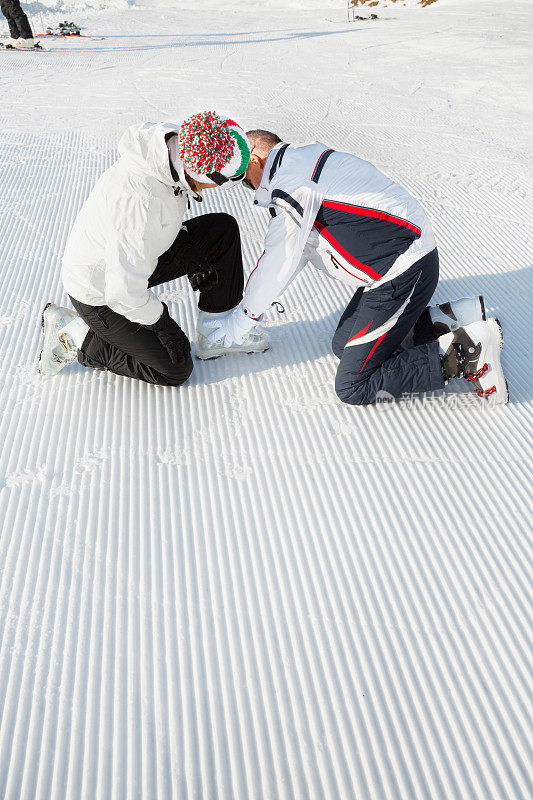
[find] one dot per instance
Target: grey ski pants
(370, 333)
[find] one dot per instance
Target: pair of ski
(67, 29)
(36, 48)
(69, 36)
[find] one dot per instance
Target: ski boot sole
(42, 326)
(42, 315)
(501, 348)
(495, 368)
(501, 332)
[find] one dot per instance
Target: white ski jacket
(130, 218)
(338, 212)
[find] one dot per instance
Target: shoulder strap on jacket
(319, 166)
(277, 161)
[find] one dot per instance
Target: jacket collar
(179, 179)
(274, 158)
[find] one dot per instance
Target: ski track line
(245, 589)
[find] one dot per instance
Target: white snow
(242, 588)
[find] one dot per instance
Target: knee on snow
(178, 374)
(350, 392)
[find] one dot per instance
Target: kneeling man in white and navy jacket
(343, 216)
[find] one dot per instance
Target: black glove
(201, 274)
(171, 337)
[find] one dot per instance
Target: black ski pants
(19, 27)
(127, 348)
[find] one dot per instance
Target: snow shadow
(305, 341)
(206, 41)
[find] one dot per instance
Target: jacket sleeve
(286, 249)
(131, 258)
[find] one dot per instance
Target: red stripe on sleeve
(254, 269)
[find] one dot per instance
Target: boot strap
(475, 375)
(486, 393)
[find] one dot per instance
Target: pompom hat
(212, 148)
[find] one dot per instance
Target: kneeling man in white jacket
(343, 216)
(130, 236)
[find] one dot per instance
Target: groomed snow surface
(243, 589)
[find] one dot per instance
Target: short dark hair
(265, 139)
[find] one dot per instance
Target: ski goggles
(220, 180)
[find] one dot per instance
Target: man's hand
(171, 337)
(231, 327)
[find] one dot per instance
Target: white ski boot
(58, 348)
(473, 353)
(10, 42)
(447, 317)
(25, 44)
(256, 340)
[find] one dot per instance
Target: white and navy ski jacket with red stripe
(338, 212)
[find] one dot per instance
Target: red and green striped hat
(213, 148)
